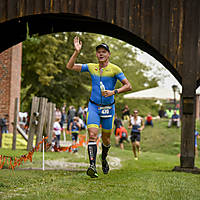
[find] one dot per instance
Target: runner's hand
(77, 44)
(107, 93)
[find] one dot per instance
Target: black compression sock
(105, 150)
(92, 152)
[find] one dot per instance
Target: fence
(41, 122)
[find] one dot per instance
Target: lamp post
(174, 87)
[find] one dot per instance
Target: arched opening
(51, 23)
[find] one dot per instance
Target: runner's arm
(70, 128)
(126, 87)
(129, 124)
(71, 63)
(142, 125)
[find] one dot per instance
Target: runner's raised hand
(77, 44)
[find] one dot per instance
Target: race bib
(105, 112)
(123, 134)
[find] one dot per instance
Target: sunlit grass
(151, 177)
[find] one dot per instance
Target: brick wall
(10, 80)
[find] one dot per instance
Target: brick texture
(10, 81)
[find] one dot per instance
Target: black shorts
(122, 139)
(74, 136)
(135, 137)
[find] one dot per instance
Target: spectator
(70, 115)
(62, 122)
(57, 132)
(117, 123)
(4, 124)
(121, 132)
(85, 113)
(63, 118)
(149, 120)
(27, 123)
(64, 107)
(1, 124)
(81, 122)
(125, 113)
(169, 113)
(80, 112)
(58, 114)
(175, 120)
(195, 143)
(74, 129)
(161, 112)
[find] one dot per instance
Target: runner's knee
(92, 136)
(106, 138)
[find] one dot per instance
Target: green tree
(44, 70)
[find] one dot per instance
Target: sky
(157, 69)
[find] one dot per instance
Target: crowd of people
(71, 122)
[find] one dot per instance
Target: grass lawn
(151, 177)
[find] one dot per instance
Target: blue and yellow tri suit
(103, 113)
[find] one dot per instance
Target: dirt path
(114, 163)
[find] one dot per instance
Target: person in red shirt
(149, 120)
(122, 133)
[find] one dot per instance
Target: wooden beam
(15, 123)
(189, 75)
(41, 121)
(32, 124)
(197, 107)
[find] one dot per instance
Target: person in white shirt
(58, 113)
(57, 131)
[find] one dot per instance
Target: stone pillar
(10, 81)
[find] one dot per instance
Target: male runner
(101, 108)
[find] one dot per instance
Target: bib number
(105, 112)
(123, 134)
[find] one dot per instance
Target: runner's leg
(92, 145)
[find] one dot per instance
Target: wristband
(116, 91)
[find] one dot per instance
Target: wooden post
(189, 80)
(53, 106)
(42, 115)
(197, 107)
(46, 124)
(48, 121)
(32, 124)
(15, 123)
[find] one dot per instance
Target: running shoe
(92, 172)
(136, 158)
(105, 166)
